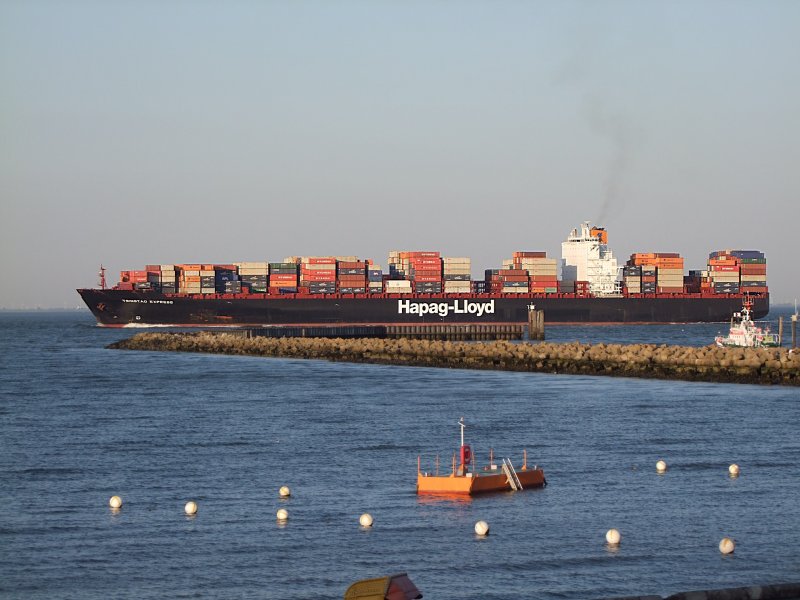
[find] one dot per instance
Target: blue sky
(161, 132)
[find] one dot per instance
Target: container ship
(424, 287)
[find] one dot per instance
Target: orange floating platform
(466, 479)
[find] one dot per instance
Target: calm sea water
(79, 423)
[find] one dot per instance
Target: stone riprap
(730, 365)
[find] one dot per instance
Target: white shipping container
(244, 271)
(191, 273)
(457, 289)
(450, 260)
(167, 267)
(552, 272)
(722, 276)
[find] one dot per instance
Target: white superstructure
(585, 257)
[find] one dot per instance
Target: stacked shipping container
(374, 279)
(736, 271)
(283, 276)
(524, 272)
(507, 281)
(457, 275)
(422, 269)
(729, 271)
(542, 271)
(351, 276)
(318, 274)
(654, 272)
(254, 276)
(226, 279)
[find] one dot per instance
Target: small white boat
(746, 333)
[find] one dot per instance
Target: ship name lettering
(443, 309)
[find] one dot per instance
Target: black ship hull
(119, 308)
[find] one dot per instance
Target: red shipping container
(504, 272)
(317, 278)
(425, 262)
(530, 255)
(320, 272)
(320, 260)
(427, 272)
(282, 277)
(428, 278)
(420, 254)
(514, 278)
(748, 269)
(358, 264)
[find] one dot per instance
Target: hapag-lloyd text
(443, 309)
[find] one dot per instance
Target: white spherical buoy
(733, 470)
(482, 528)
(284, 492)
(727, 546)
(366, 520)
(661, 466)
(115, 502)
(282, 514)
(613, 537)
(190, 508)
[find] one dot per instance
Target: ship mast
(102, 275)
(461, 422)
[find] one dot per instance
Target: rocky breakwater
(732, 365)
